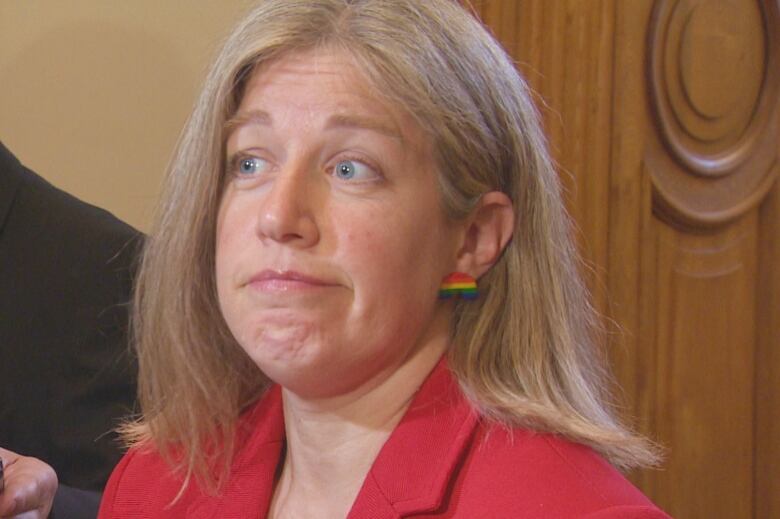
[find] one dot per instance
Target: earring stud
(458, 284)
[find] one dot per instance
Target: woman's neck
(332, 443)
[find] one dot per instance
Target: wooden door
(663, 116)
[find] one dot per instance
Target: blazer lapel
(415, 466)
(410, 475)
(260, 440)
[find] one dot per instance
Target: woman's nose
(287, 212)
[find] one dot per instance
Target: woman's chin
(314, 375)
(310, 383)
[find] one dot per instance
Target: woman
(296, 360)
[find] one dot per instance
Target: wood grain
(564, 49)
(714, 76)
(766, 494)
(664, 119)
(705, 329)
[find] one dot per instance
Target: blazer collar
(413, 470)
(410, 475)
(259, 440)
(10, 180)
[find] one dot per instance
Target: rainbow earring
(457, 285)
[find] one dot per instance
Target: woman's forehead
(326, 80)
(333, 73)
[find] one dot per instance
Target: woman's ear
(487, 231)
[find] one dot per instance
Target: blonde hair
(525, 353)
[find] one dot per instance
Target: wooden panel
(664, 116)
(705, 331)
(564, 49)
(714, 73)
(767, 475)
(630, 259)
(710, 158)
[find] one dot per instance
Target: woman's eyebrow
(363, 123)
(336, 121)
(252, 117)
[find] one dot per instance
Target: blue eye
(353, 170)
(250, 165)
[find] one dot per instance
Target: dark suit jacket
(66, 375)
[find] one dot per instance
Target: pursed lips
(285, 281)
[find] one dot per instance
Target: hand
(30, 485)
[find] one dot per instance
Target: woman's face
(331, 237)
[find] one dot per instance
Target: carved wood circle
(714, 78)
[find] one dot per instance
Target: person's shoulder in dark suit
(67, 376)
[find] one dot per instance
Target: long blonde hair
(526, 353)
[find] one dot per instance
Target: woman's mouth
(286, 281)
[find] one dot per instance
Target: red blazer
(441, 461)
